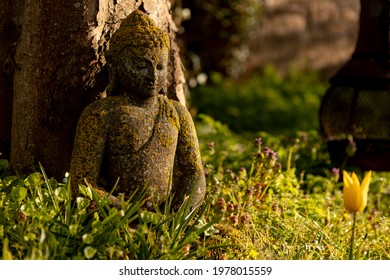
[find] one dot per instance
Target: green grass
(258, 206)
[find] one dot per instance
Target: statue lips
(149, 90)
(150, 85)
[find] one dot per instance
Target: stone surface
(152, 147)
(137, 136)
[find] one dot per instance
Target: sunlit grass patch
(267, 198)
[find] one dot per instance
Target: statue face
(142, 77)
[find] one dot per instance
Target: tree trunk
(59, 69)
(10, 11)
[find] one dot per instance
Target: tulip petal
(348, 193)
(355, 180)
(347, 179)
(364, 191)
(357, 195)
(366, 182)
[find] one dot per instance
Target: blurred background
(263, 65)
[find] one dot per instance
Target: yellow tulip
(354, 194)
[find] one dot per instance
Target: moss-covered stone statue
(137, 135)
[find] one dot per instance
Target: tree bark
(60, 68)
(10, 11)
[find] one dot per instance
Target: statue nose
(150, 76)
(151, 73)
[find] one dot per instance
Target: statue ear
(112, 88)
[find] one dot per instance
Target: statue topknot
(140, 34)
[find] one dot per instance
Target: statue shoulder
(182, 117)
(101, 107)
(180, 109)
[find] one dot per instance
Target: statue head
(138, 56)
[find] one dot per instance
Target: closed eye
(141, 66)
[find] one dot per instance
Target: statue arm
(188, 169)
(88, 147)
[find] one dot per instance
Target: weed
(267, 198)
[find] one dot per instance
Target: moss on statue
(140, 34)
(138, 136)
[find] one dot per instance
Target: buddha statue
(136, 137)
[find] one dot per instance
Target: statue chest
(134, 130)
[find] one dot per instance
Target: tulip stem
(352, 237)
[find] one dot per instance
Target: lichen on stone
(116, 140)
(138, 138)
(139, 33)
